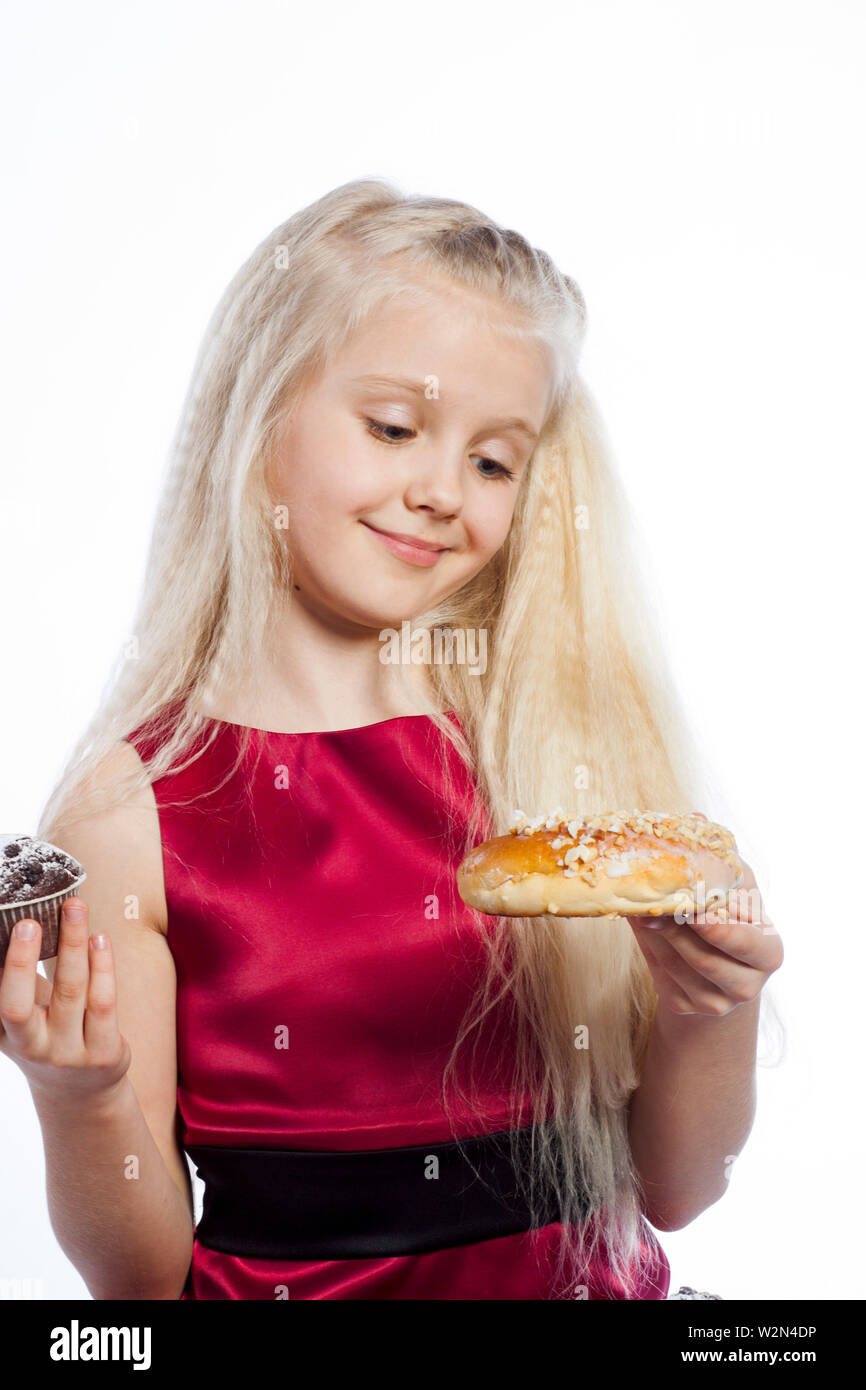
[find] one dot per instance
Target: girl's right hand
(63, 1036)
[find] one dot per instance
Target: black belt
(302, 1204)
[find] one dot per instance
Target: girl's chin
(375, 615)
(382, 603)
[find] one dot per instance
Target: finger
(705, 995)
(693, 945)
(677, 1000)
(22, 1021)
(744, 904)
(670, 993)
(71, 974)
(739, 905)
(666, 988)
(43, 990)
(745, 941)
(729, 974)
(101, 1034)
(644, 941)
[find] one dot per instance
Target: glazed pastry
(642, 863)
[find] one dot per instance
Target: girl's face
(436, 457)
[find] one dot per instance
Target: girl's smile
(414, 551)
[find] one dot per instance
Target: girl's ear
(271, 464)
(279, 446)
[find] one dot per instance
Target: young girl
(386, 444)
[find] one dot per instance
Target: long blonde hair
(575, 708)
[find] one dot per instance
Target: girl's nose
(437, 487)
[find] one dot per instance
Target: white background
(698, 169)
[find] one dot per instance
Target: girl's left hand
(717, 959)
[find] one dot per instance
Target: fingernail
(74, 911)
(100, 941)
(25, 929)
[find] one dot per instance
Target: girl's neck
(319, 673)
(341, 706)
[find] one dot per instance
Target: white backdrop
(698, 169)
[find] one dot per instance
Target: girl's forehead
(439, 302)
(406, 342)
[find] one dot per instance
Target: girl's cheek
(490, 531)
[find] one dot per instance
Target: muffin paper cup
(46, 911)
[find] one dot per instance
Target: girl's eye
(377, 429)
(501, 470)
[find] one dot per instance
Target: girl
(386, 443)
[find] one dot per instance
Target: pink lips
(410, 548)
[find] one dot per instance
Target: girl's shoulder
(121, 844)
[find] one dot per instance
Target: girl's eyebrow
(513, 422)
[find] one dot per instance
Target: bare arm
(115, 1209)
(99, 1053)
(695, 1105)
(693, 1111)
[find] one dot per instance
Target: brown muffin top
(31, 868)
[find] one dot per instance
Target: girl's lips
(405, 550)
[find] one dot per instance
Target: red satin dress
(325, 904)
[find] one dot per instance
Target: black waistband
(302, 1204)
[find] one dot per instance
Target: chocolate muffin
(35, 879)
